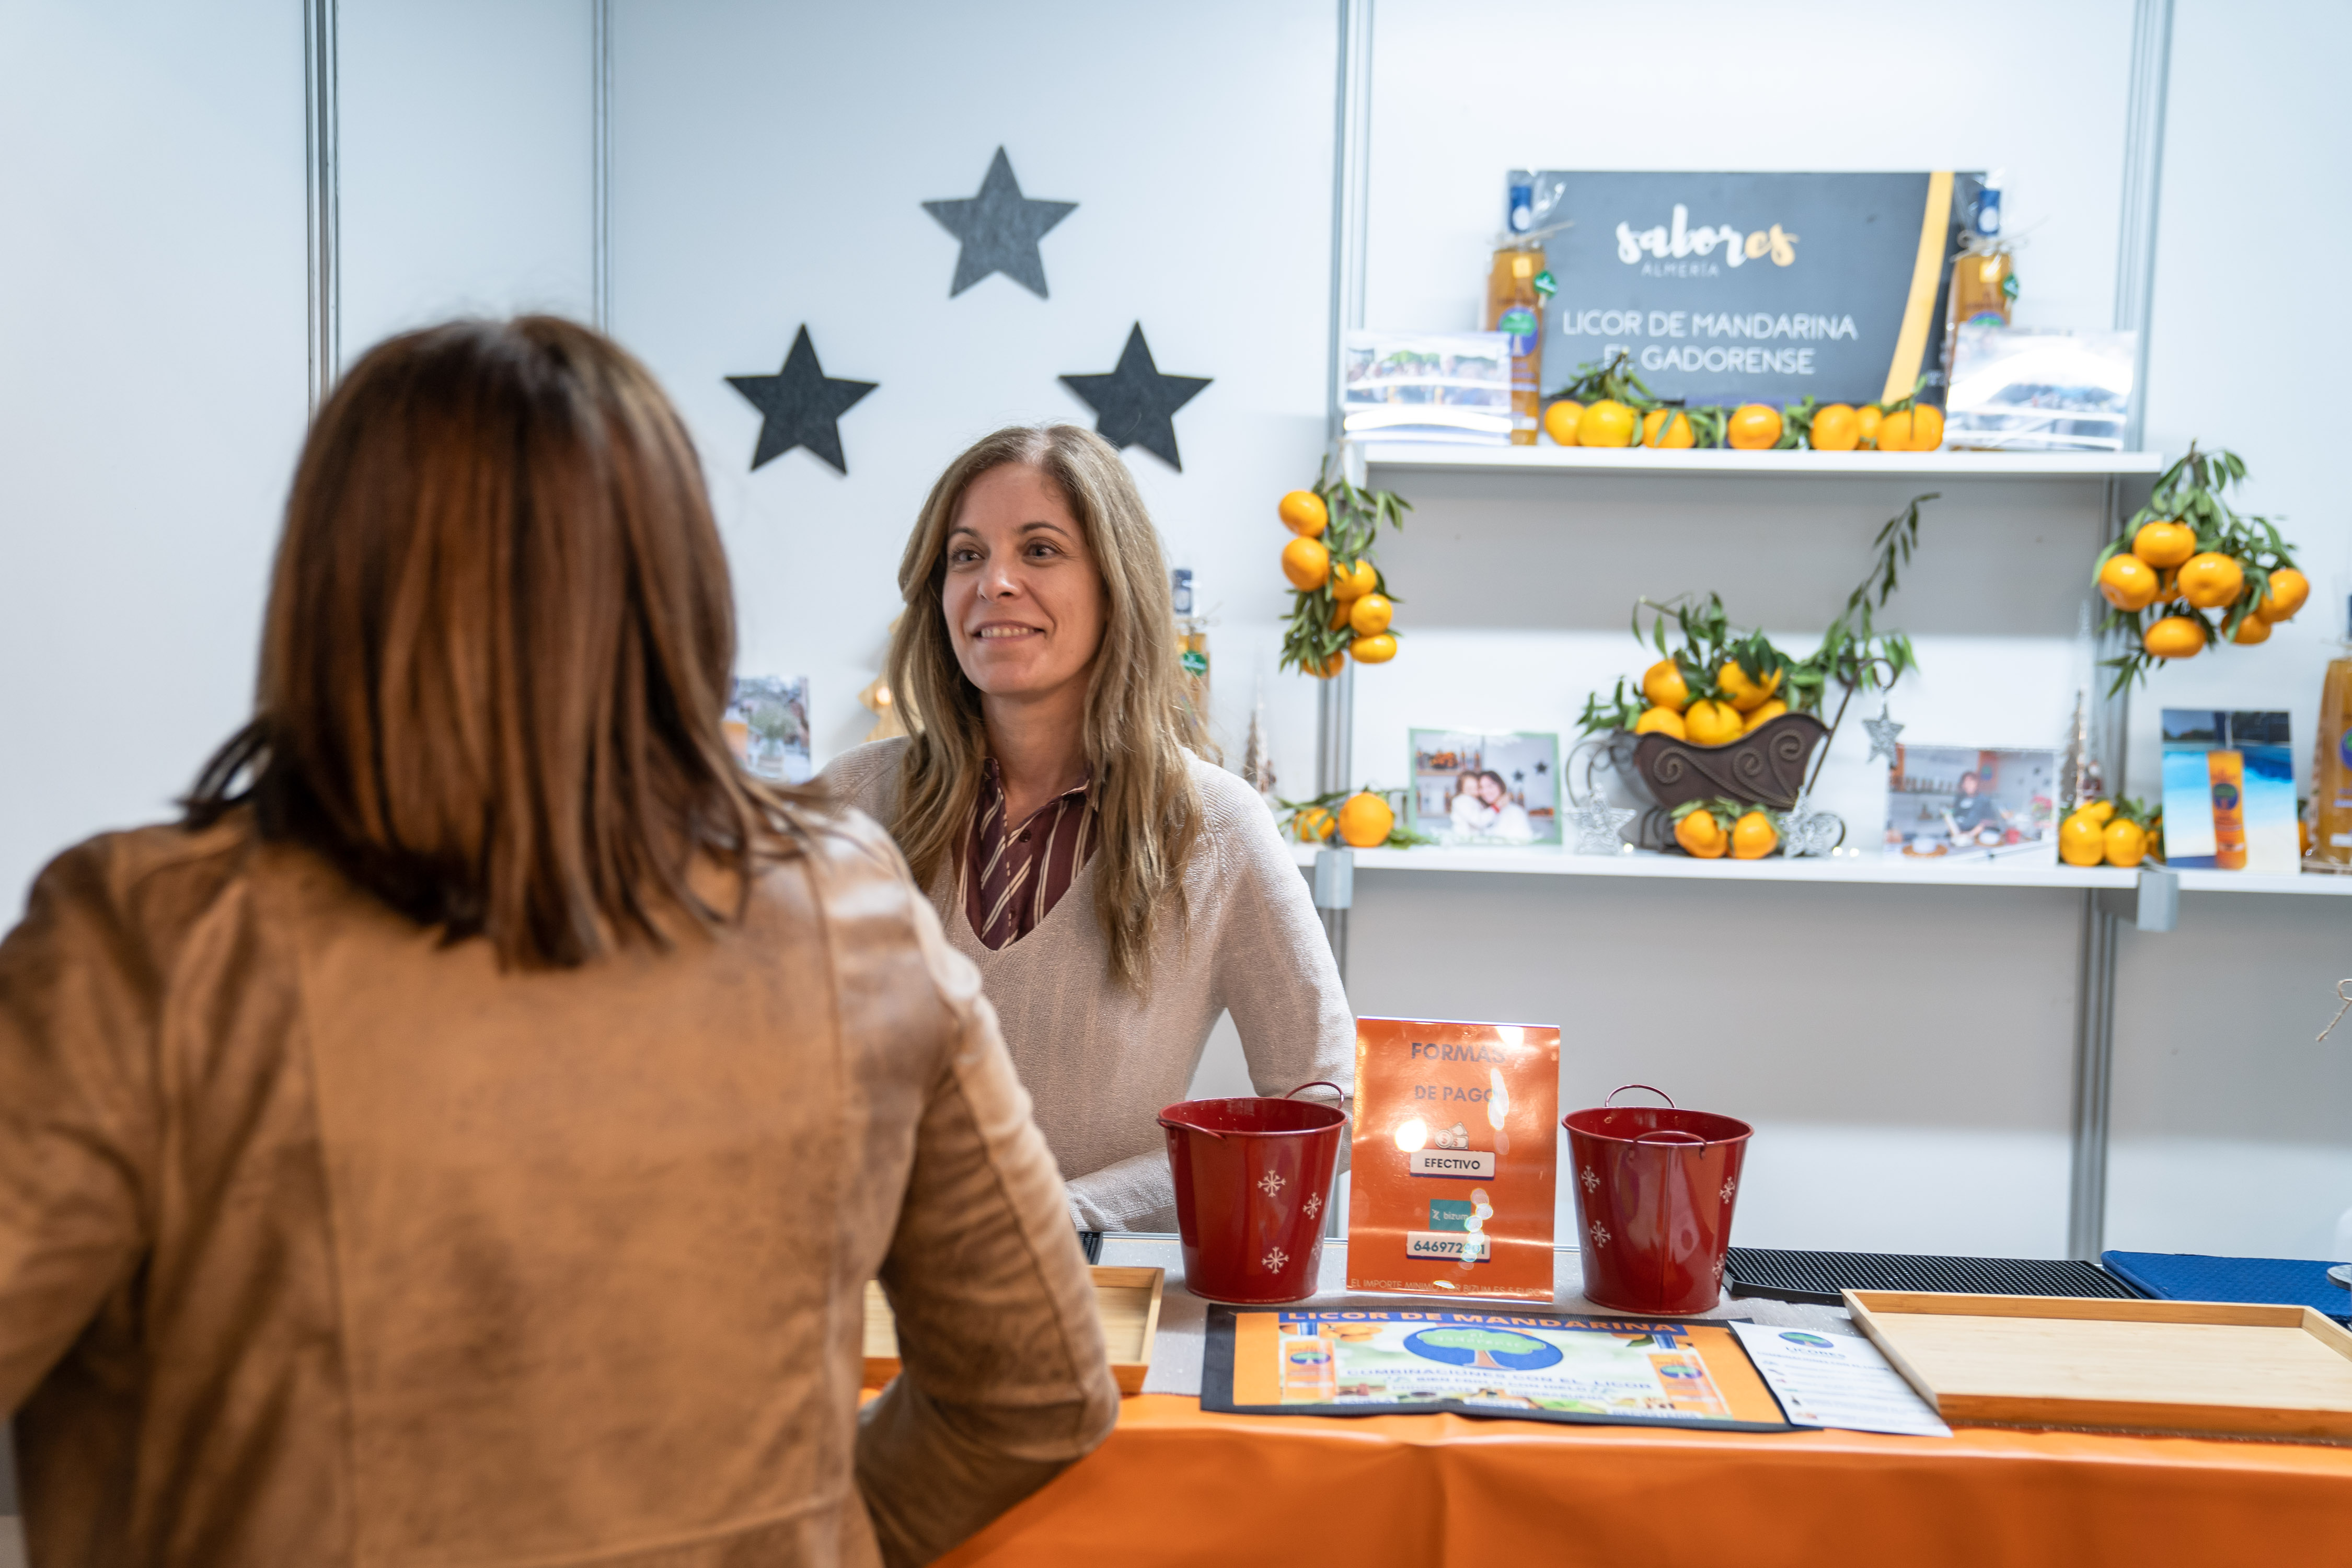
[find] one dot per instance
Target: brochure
(1530, 1366)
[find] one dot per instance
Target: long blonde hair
(1138, 725)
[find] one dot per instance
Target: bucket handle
(1669, 1133)
(1213, 1132)
(1188, 1127)
(1621, 1088)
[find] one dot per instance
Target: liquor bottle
(1191, 643)
(1984, 275)
(1514, 307)
(2331, 762)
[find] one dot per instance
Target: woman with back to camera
(467, 1135)
(1117, 892)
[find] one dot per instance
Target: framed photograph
(767, 724)
(1473, 788)
(1948, 804)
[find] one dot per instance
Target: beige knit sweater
(1100, 1062)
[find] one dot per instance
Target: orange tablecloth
(1175, 1484)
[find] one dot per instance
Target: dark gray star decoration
(1135, 406)
(1000, 229)
(800, 405)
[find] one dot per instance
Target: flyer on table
(1837, 1380)
(1450, 1189)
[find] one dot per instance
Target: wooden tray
(1127, 1299)
(2201, 1366)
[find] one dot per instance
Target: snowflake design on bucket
(1730, 1187)
(1315, 1205)
(1599, 1234)
(1718, 1270)
(1270, 1184)
(1591, 1179)
(1274, 1259)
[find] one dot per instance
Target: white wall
(468, 171)
(2233, 1129)
(154, 336)
(152, 387)
(770, 163)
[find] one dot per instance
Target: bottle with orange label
(1517, 287)
(2226, 770)
(1984, 276)
(1191, 643)
(2331, 762)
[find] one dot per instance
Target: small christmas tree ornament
(1257, 768)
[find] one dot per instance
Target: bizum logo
(1678, 239)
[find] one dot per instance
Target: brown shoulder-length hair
(1138, 725)
(498, 645)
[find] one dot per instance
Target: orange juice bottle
(2227, 771)
(2331, 764)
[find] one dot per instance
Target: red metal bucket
(1654, 1190)
(1253, 1188)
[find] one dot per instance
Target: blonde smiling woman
(1117, 892)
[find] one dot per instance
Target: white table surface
(1184, 1317)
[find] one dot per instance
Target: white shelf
(1865, 868)
(1548, 458)
(2196, 881)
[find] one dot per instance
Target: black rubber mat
(1092, 1241)
(1818, 1277)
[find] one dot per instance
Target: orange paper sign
(1450, 1189)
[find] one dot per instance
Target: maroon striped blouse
(1013, 876)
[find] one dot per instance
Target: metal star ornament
(1599, 826)
(800, 405)
(1000, 229)
(1883, 732)
(1135, 406)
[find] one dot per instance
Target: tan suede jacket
(324, 1243)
